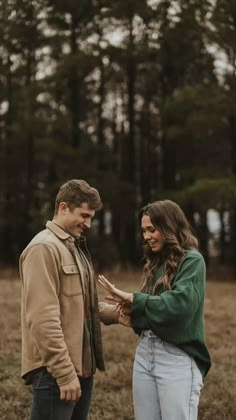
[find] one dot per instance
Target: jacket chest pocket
(71, 280)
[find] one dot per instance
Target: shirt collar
(62, 234)
(58, 230)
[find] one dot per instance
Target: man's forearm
(108, 313)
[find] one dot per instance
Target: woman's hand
(117, 295)
(125, 320)
(124, 308)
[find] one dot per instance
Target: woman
(171, 358)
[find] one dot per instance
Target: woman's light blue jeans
(166, 381)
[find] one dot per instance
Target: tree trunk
(203, 235)
(7, 237)
(73, 84)
(131, 73)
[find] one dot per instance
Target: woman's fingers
(119, 309)
(104, 280)
(105, 283)
(115, 299)
(117, 294)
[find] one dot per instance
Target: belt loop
(147, 333)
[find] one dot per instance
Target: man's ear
(63, 207)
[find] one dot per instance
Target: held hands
(125, 320)
(71, 391)
(124, 310)
(122, 299)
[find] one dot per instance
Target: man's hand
(71, 391)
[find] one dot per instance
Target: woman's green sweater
(177, 315)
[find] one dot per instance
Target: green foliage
(219, 193)
(196, 126)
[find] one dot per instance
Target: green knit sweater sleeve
(176, 306)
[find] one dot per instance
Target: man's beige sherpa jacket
(52, 312)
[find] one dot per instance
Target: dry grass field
(112, 394)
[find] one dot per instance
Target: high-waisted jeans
(166, 381)
(47, 404)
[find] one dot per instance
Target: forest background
(137, 97)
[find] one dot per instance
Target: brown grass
(112, 397)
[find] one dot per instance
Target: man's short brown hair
(76, 192)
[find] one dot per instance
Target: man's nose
(87, 223)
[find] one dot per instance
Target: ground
(113, 389)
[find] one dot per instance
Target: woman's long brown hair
(169, 219)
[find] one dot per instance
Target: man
(61, 336)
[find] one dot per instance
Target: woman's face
(151, 234)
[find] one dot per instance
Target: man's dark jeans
(46, 399)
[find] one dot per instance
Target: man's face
(77, 220)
